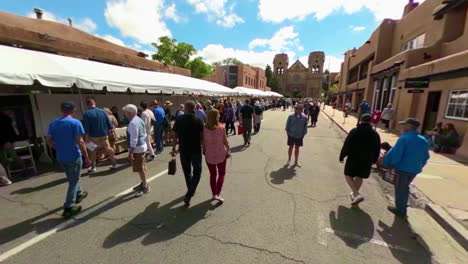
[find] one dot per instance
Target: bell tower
(280, 64)
(316, 62)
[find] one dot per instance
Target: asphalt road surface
(272, 213)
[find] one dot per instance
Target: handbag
(240, 130)
(172, 167)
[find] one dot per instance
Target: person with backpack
(364, 108)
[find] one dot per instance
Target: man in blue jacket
(159, 115)
(407, 157)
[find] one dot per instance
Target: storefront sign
(416, 91)
(420, 83)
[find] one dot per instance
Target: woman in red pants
(216, 150)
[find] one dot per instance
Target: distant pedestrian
(160, 118)
(136, 142)
(376, 116)
(246, 120)
(115, 124)
(200, 113)
(387, 116)
(66, 136)
(258, 117)
(98, 127)
(364, 108)
(407, 157)
(314, 113)
(216, 150)
(148, 118)
(348, 107)
(230, 119)
(208, 106)
(179, 111)
(296, 129)
(361, 149)
(167, 122)
(188, 133)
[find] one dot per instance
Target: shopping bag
(172, 167)
(390, 177)
(240, 130)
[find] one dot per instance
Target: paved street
(272, 213)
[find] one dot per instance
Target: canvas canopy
(255, 92)
(23, 67)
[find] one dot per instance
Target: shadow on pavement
(283, 174)
(20, 229)
(354, 226)
(238, 148)
(403, 244)
(159, 223)
(40, 187)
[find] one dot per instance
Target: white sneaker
(92, 169)
(114, 167)
(288, 163)
(357, 200)
(351, 195)
(297, 164)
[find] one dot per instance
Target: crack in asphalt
(25, 204)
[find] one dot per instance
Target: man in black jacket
(362, 149)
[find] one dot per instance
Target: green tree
(171, 52)
(229, 61)
(272, 81)
(325, 80)
(199, 68)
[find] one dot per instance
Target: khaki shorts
(138, 162)
(101, 142)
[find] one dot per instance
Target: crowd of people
(202, 129)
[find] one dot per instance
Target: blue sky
(250, 30)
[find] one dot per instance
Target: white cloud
(278, 11)
(85, 24)
(171, 13)
(283, 39)
(332, 63)
(138, 19)
(357, 28)
(218, 11)
(112, 39)
(300, 48)
(217, 52)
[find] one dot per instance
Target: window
(457, 106)
(384, 94)
(393, 86)
(376, 94)
(416, 43)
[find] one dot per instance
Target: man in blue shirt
(364, 108)
(97, 126)
(296, 128)
(66, 136)
(407, 157)
(160, 115)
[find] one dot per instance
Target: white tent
(23, 67)
(256, 92)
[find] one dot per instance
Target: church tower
(316, 61)
(280, 64)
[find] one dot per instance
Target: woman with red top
(216, 150)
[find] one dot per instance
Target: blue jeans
(73, 173)
(403, 181)
(158, 137)
(188, 161)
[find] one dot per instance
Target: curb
(455, 229)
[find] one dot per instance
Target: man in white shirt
(136, 135)
(148, 118)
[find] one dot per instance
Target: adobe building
(239, 75)
(418, 63)
(53, 37)
(298, 80)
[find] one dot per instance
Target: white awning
(256, 92)
(23, 67)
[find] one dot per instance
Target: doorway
(432, 109)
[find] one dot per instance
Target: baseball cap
(411, 121)
(67, 106)
(366, 118)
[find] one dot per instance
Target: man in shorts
(137, 147)
(296, 128)
(362, 149)
(97, 127)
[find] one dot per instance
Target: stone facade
(233, 76)
(299, 80)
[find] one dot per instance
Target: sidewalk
(444, 180)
